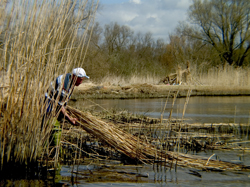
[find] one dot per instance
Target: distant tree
(223, 24)
(144, 45)
(96, 56)
(116, 50)
(96, 35)
(117, 37)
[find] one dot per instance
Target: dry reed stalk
(174, 99)
(134, 148)
(226, 76)
(180, 125)
(40, 40)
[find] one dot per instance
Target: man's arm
(72, 120)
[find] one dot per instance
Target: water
(104, 173)
(156, 176)
(199, 109)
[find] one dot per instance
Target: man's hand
(72, 120)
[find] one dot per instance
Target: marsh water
(113, 173)
(234, 109)
(199, 110)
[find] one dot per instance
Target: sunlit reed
(39, 41)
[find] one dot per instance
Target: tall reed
(224, 76)
(39, 41)
(210, 76)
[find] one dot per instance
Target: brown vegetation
(39, 40)
(44, 39)
(155, 91)
(136, 148)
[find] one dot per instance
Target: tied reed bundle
(134, 148)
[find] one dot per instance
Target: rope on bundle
(135, 148)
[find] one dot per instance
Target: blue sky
(160, 17)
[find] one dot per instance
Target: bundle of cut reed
(135, 148)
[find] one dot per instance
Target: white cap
(79, 72)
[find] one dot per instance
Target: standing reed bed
(39, 41)
(226, 76)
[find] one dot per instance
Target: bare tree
(117, 37)
(144, 45)
(224, 24)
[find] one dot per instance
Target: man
(60, 92)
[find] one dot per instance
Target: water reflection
(115, 174)
(200, 109)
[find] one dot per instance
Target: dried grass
(225, 76)
(39, 41)
(213, 76)
(110, 80)
(135, 148)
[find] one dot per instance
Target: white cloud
(160, 17)
(128, 17)
(135, 1)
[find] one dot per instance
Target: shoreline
(155, 91)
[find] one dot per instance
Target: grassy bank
(155, 91)
(226, 81)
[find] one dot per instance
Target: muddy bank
(154, 91)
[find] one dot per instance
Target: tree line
(216, 34)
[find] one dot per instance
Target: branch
(244, 55)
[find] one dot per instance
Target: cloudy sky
(160, 17)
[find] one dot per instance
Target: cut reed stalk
(128, 144)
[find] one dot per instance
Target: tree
(117, 37)
(144, 45)
(223, 24)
